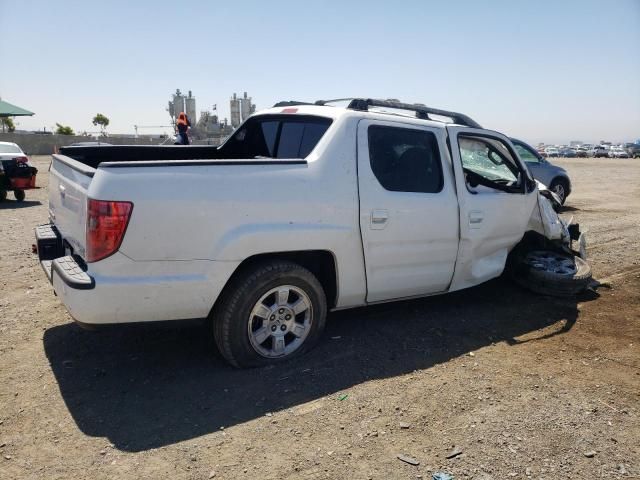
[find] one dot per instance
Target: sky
(541, 70)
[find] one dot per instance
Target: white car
(305, 208)
(618, 152)
(551, 152)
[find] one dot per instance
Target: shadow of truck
(146, 386)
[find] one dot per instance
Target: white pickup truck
(305, 208)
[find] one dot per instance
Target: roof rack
(422, 111)
(363, 104)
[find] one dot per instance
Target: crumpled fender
(556, 203)
(544, 219)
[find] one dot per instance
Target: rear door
(69, 181)
(408, 209)
(496, 195)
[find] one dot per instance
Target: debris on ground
(441, 476)
(454, 453)
(408, 459)
(590, 454)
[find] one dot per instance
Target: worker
(182, 125)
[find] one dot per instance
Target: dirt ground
(519, 385)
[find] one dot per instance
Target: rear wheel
(271, 312)
(19, 194)
(560, 187)
(3, 195)
(552, 273)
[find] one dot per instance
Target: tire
(19, 194)
(560, 187)
(3, 195)
(252, 327)
(552, 273)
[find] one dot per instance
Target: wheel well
(321, 263)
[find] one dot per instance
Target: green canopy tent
(9, 110)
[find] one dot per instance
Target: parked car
(618, 152)
(554, 177)
(581, 152)
(17, 174)
(305, 208)
(567, 152)
(552, 152)
(632, 149)
(599, 151)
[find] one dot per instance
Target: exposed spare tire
(552, 273)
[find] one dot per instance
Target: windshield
(9, 148)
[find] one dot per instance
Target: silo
(190, 108)
(234, 106)
(178, 103)
(245, 107)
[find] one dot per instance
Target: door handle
(379, 219)
(475, 219)
(62, 190)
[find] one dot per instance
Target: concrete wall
(38, 144)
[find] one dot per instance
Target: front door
(408, 209)
(496, 195)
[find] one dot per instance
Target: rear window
(4, 148)
(276, 136)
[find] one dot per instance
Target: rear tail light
(106, 224)
(22, 159)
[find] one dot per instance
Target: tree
(64, 130)
(102, 121)
(7, 123)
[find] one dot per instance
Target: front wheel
(560, 187)
(552, 273)
(269, 313)
(19, 194)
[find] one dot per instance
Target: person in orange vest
(182, 125)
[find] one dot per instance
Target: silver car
(555, 178)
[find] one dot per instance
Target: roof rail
(422, 111)
(290, 103)
(363, 104)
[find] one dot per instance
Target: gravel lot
(508, 384)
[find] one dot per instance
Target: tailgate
(69, 182)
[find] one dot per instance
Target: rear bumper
(71, 270)
(121, 290)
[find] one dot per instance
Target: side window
(488, 162)
(525, 154)
(405, 160)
